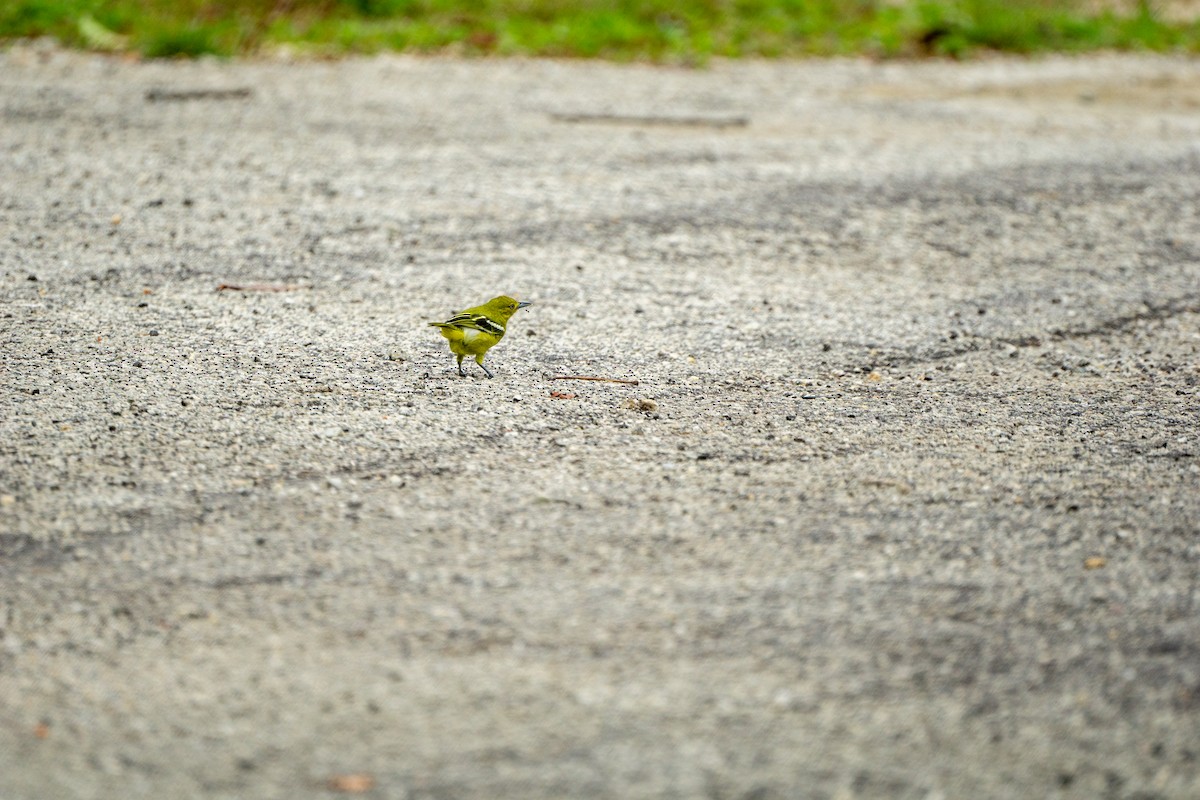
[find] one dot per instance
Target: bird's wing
(476, 322)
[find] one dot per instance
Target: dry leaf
(563, 395)
(353, 783)
(1095, 562)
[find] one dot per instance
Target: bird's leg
(486, 371)
(461, 371)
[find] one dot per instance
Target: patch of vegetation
(689, 31)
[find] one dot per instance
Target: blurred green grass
(683, 31)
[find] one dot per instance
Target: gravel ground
(904, 504)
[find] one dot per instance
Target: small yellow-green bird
(475, 331)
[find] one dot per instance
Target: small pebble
(641, 404)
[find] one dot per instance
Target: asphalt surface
(904, 503)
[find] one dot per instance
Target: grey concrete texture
(904, 504)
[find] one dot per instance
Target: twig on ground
(261, 287)
(178, 95)
(590, 378)
(653, 119)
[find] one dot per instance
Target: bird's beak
(524, 303)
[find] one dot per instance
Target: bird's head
(504, 306)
